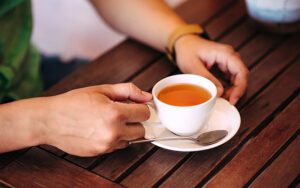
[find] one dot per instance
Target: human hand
(196, 55)
(90, 121)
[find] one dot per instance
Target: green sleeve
(19, 61)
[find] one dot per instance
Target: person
(92, 120)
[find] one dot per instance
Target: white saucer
(225, 117)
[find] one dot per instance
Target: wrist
(181, 32)
(42, 118)
(33, 113)
(21, 125)
(185, 40)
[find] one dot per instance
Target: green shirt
(19, 60)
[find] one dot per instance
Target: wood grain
(152, 169)
(259, 46)
(191, 173)
(53, 150)
(272, 65)
(226, 20)
(37, 168)
(283, 170)
(157, 71)
(6, 158)
(244, 31)
(117, 163)
(84, 162)
(200, 12)
(251, 158)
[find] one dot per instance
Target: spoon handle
(160, 139)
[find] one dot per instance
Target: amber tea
(184, 95)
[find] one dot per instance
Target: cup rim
(214, 94)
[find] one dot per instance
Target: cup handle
(153, 115)
(151, 104)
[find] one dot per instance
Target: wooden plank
(146, 176)
(157, 71)
(53, 150)
(162, 67)
(226, 20)
(199, 12)
(283, 170)
(84, 162)
(37, 168)
(192, 172)
(118, 162)
(258, 150)
(239, 34)
(257, 47)
(6, 158)
(271, 65)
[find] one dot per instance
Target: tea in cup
(184, 102)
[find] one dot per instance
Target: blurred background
(72, 28)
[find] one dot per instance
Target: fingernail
(146, 93)
(235, 100)
(219, 91)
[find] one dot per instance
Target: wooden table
(264, 152)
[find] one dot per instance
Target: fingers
(133, 132)
(125, 91)
(126, 133)
(201, 70)
(134, 112)
(208, 54)
(231, 64)
(239, 78)
(130, 132)
(238, 88)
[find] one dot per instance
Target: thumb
(125, 91)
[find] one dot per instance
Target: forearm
(149, 21)
(20, 125)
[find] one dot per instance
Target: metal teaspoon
(206, 138)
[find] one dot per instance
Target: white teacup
(184, 120)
